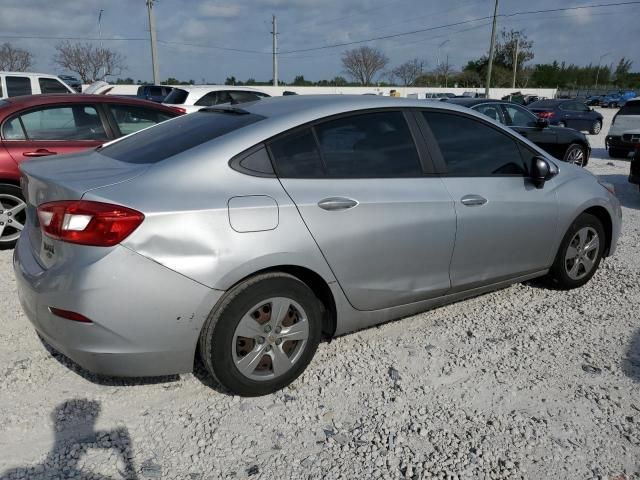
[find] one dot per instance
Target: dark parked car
(563, 143)
(569, 113)
(42, 125)
(73, 82)
(155, 93)
(633, 138)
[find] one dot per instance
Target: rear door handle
(41, 152)
(473, 200)
(337, 203)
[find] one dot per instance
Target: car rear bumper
(615, 141)
(146, 318)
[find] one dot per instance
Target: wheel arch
(602, 214)
(316, 283)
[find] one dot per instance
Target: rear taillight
(88, 223)
(546, 114)
(180, 109)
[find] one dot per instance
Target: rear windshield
(176, 136)
(177, 96)
(630, 108)
(543, 104)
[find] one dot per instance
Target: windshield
(176, 136)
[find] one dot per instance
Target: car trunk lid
(67, 177)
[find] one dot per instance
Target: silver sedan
(247, 234)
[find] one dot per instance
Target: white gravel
(521, 383)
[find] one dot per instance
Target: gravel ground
(522, 383)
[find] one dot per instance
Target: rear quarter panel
(187, 226)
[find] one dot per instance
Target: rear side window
(473, 149)
(297, 156)
(51, 85)
(78, 122)
(372, 145)
(12, 130)
(177, 96)
(132, 118)
(208, 100)
(17, 86)
(243, 97)
(630, 108)
(171, 138)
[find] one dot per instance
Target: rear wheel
(617, 153)
(576, 154)
(595, 127)
(12, 215)
(262, 335)
(580, 253)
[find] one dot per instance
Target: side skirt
(350, 319)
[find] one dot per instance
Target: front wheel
(262, 335)
(576, 154)
(12, 215)
(595, 127)
(579, 254)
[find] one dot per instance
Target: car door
(506, 225)
(126, 119)
(385, 227)
(52, 130)
(572, 116)
(526, 124)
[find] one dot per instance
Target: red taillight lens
(88, 223)
(69, 315)
(180, 109)
(546, 114)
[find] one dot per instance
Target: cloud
(211, 9)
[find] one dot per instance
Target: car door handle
(473, 200)
(41, 152)
(337, 203)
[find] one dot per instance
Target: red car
(42, 125)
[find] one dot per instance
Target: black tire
(573, 150)
(217, 337)
(558, 274)
(10, 195)
(596, 127)
(618, 153)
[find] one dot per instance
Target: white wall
(277, 91)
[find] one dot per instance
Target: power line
(402, 34)
(39, 37)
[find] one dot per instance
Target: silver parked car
(246, 234)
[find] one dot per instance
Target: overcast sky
(580, 36)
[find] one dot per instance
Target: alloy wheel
(270, 338)
(582, 253)
(12, 217)
(597, 126)
(576, 156)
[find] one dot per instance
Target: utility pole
(154, 45)
(491, 50)
(515, 63)
(104, 69)
(598, 70)
(274, 32)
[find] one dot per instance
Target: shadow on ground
(631, 362)
(75, 435)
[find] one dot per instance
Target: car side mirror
(540, 171)
(542, 123)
